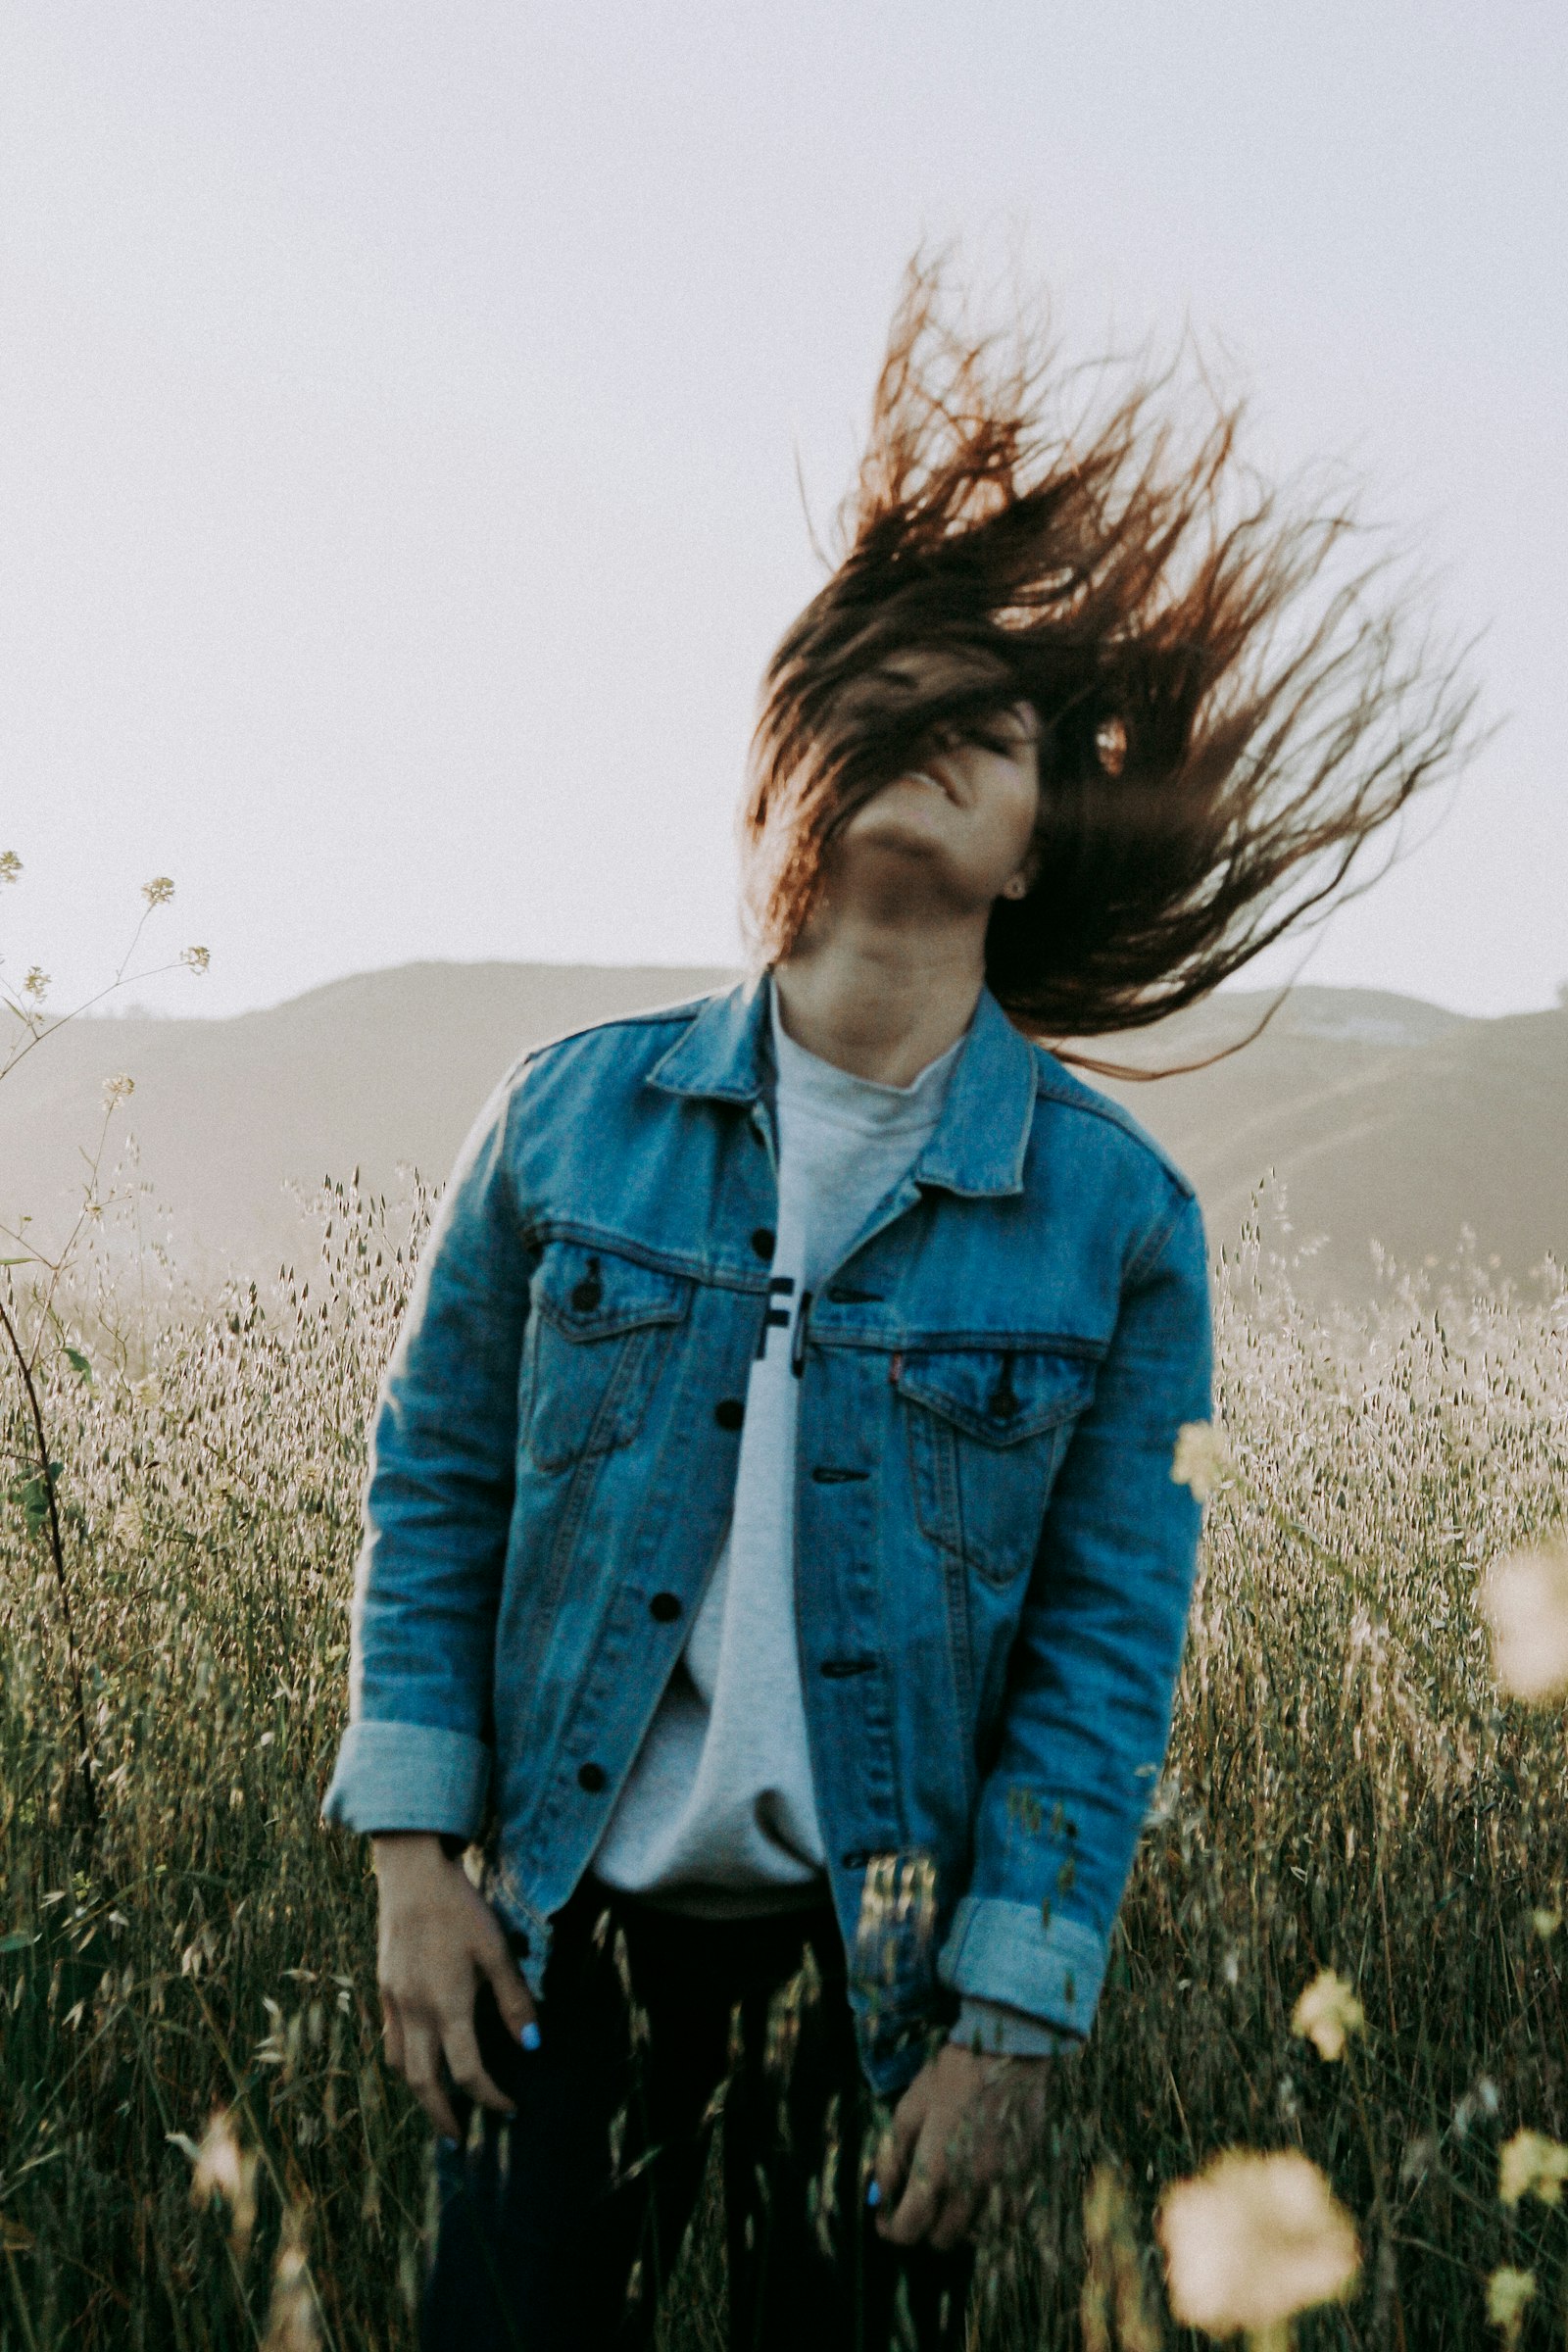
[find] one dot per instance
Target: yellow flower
(1531, 2165)
(1253, 2239)
(1524, 1599)
(159, 891)
(196, 960)
(1327, 2011)
(10, 866)
(117, 1089)
(36, 984)
(1201, 1458)
(1507, 2293)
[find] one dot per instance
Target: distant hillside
(1388, 1119)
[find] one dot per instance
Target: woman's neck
(879, 999)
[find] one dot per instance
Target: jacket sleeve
(437, 1504)
(1094, 1661)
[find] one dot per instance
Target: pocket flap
(590, 1293)
(1000, 1395)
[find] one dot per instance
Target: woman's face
(957, 823)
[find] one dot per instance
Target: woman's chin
(899, 826)
(898, 872)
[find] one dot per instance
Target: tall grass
(1343, 1790)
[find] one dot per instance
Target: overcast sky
(400, 408)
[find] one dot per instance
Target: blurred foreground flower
(196, 960)
(1531, 2165)
(1524, 1599)
(1251, 2240)
(1507, 2293)
(1201, 1458)
(223, 2169)
(117, 1089)
(1112, 2310)
(1482, 2098)
(291, 2321)
(1327, 2011)
(159, 891)
(10, 866)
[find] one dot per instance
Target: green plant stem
(243, 2086)
(57, 1550)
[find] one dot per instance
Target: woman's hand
(437, 1939)
(967, 2120)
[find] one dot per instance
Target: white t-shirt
(719, 1810)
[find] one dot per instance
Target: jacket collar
(980, 1141)
(724, 1054)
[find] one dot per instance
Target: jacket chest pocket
(987, 1433)
(599, 1330)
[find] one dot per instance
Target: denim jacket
(992, 1560)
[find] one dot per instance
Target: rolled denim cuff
(1007, 1953)
(408, 1776)
(991, 2028)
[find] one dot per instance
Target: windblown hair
(1228, 706)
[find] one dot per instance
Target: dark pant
(561, 2227)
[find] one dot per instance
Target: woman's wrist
(993, 2029)
(408, 1850)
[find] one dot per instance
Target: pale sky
(400, 408)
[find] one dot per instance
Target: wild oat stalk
(43, 1488)
(1346, 1798)
(38, 1494)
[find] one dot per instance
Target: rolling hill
(1386, 1119)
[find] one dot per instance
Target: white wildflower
(1251, 2240)
(1326, 2013)
(1203, 1458)
(1524, 1599)
(1531, 2164)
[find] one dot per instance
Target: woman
(772, 1551)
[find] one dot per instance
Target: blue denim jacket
(993, 1561)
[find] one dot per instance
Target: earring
(1015, 889)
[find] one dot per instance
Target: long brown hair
(1232, 697)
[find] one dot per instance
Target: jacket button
(665, 1607)
(765, 1241)
(588, 1293)
(591, 1777)
(730, 1412)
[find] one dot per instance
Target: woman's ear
(1021, 884)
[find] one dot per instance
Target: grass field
(1344, 1790)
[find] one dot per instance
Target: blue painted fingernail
(873, 2195)
(529, 2036)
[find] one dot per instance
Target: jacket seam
(1100, 1107)
(540, 1229)
(915, 1341)
(1154, 1244)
